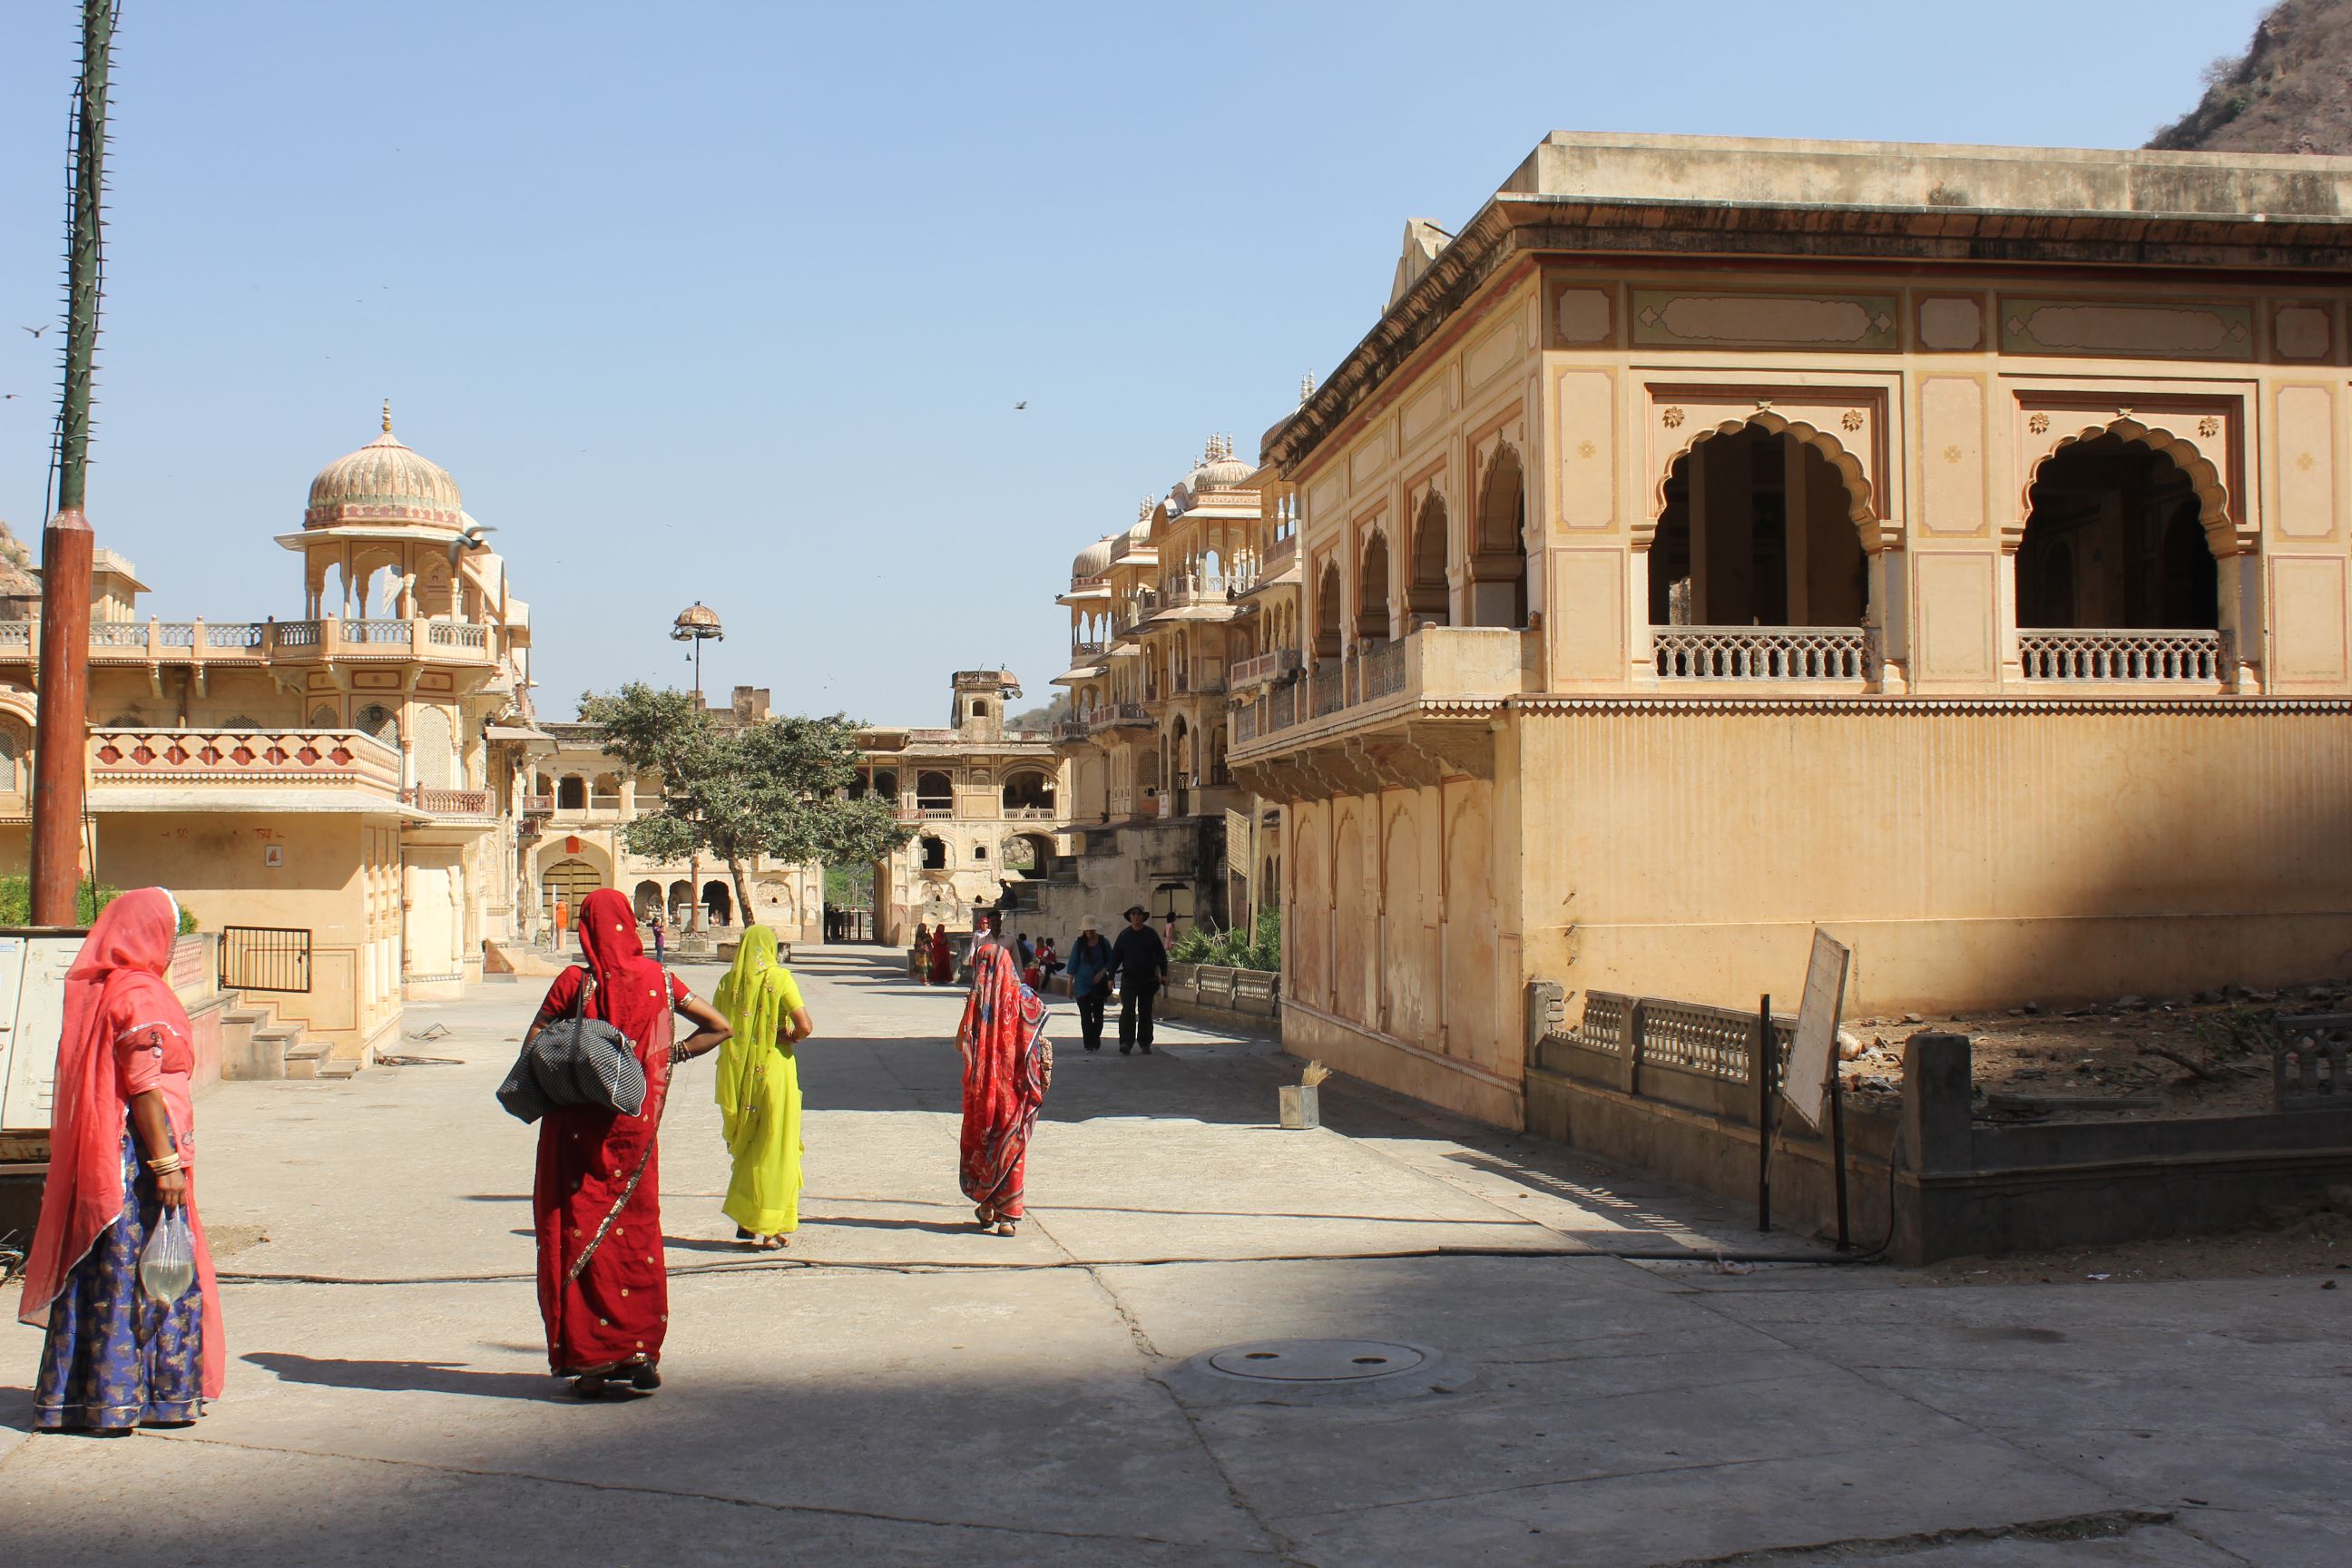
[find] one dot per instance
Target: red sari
(618, 1310)
(942, 964)
(1012, 1064)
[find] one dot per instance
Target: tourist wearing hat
(1090, 971)
(1141, 960)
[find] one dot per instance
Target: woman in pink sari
(598, 1190)
(122, 1153)
(1008, 1064)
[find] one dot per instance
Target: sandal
(1004, 1227)
(589, 1386)
(645, 1375)
(776, 1243)
(985, 1215)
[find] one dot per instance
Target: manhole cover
(1317, 1372)
(1319, 1360)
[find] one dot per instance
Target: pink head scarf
(118, 975)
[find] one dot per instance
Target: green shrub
(16, 902)
(1257, 948)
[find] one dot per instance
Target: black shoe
(1094, 1045)
(645, 1375)
(1147, 1048)
(1125, 1049)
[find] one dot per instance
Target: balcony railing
(1080, 650)
(1030, 813)
(1758, 653)
(2097, 655)
(1381, 672)
(538, 805)
(1118, 715)
(448, 802)
(1207, 678)
(1073, 730)
(1327, 689)
(205, 642)
(232, 759)
(1278, 555)
(1198, 588)
(1265, 667)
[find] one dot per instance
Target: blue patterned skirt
(114, 1358)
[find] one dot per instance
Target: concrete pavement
(900, 1388)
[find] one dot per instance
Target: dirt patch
(225, 1240)
(2309, 1242)
(2129, 1060)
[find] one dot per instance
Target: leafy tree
(778, 788)
(17, 901)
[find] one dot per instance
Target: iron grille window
(265, 958)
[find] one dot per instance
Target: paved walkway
(900, 1388)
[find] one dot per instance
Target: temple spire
(387, 416)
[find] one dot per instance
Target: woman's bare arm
(796, 1028)
(711, 1029)
(153, 1125)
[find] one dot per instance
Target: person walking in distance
(1090, 971)
(1141, 960)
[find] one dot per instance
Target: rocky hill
(2290, 92)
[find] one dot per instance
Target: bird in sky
(1020, 406)
(36, 332)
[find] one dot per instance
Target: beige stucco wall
(1972, 857)
(216, 863)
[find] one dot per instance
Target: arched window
(2114, 539)
(886, 783)
(1498, 546)
(935, 853)
(1372, 590)
(1425, 591)
(572, 794)
(1329, 634)
(12, 753)
(1757, 531)
(648, 901)
(380, 721)
(1029, 791)
(604, 791)
(934, 791)
(436, 755)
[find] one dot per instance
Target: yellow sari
(759, 1090)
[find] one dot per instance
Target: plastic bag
(167, 1266)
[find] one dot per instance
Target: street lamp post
(697, 624)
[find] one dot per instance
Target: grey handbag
(575, 1060)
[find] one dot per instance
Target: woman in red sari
(599, 1184)
(124, 1153)
(942, 961)
(1007, 1065)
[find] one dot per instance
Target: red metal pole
(62, 717)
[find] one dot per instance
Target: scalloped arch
(1860, 510)
(2221, 532)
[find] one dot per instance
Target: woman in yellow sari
(760, 1092)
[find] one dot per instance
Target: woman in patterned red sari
(1007, 1065)
(598, 1190)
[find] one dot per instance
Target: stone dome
(1219, 469)
(383, 481)
(1094, 560)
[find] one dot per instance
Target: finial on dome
(387, 416)
(1306, 388)
(1143, 507)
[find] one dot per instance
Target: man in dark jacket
(1141, 960)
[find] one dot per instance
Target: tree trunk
(742, 894)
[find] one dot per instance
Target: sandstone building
(1946, 545)
(336, 793)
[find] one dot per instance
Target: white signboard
(1812, 1055)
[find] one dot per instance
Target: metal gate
(265, 958)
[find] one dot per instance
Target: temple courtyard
(1586, 1383)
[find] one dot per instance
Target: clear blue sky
(734, 302)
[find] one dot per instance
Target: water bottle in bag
(167, 1266)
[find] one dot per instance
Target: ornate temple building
(1946, 546)
(981, 800)
(335, 794)
(984, 800)
(1167, 618)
